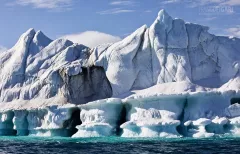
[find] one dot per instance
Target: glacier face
(172, 79)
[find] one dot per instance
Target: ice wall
(198, 115)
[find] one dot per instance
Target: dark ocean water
(117, 145)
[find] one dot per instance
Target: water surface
(117, 145)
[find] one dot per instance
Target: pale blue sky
(119, 18)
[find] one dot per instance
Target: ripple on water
(117, 145)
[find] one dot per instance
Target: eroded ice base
(52, 121)
(152, 117)
(20, 122)
(199, 115)
(95, 130)
(6, 125)
(48, 121)
(151, 128)
(100, 118)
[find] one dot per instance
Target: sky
(105, 21)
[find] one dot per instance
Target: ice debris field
(173, 79)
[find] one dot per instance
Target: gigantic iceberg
(173, 79)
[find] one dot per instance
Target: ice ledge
(167, 116)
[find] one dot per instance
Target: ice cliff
(173, 79)
(169, 51)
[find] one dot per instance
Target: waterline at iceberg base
(182, 115)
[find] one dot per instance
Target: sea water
(117, 145)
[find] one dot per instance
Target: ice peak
(24, 38)
(40, 36)
(39, 42)
(163, 15)
(39, 33)
(30, 31)
(163, 19)
(162, 12)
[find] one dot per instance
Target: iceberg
(172, 79)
